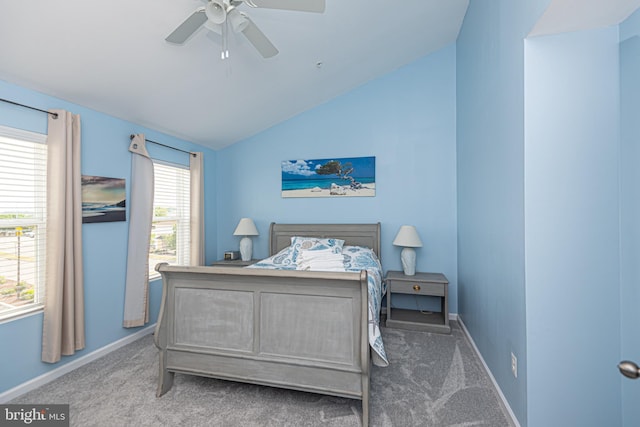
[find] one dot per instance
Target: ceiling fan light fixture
(216, 11)
(219, 15)
(237, 19)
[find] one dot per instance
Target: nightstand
(427, 284)
(234, 263)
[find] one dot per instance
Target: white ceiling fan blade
(188, 27)
(316, 6)
(259, 40)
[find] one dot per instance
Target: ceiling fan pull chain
(225, 44)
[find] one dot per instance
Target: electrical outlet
(514, 365)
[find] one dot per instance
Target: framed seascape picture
(343, 177)
(103, 199)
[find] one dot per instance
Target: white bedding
(353, 258)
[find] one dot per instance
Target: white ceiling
(111, 56)
(564, 16)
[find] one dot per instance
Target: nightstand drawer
(417, 288)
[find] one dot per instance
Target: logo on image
(34, 415)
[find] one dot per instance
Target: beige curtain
(63, 325)
(136, 299)
(197, 209)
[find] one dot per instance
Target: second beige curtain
(136, 299)
(197, 209)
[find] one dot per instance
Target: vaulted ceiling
(112, 56)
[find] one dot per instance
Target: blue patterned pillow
(299, 244)
(280, 261)
(284, 258)
(357, 258)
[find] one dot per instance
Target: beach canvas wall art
(342, 177)
(103, 199)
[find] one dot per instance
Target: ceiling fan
(218, 15)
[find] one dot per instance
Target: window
(23, 188)
(170, 236)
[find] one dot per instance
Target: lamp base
(408, 258)
(246, 248)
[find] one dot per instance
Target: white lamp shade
(246, 227)
(408, 237)
(216, 11)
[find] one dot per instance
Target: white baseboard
(43, 379)
(515, 421)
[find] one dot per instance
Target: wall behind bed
(406, 119)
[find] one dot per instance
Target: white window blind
(170, 235)
(23, 187)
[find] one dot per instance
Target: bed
(305, 330)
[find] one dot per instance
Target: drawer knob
(416, 288)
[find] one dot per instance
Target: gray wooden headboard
(367, 235)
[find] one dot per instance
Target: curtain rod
(55, 115)
(167, 146)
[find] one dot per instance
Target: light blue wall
(105, 142)
(448, 133)
(630, 210)
(405, 119)
(490, 192)
(572, 229)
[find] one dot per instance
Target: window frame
(40, 222)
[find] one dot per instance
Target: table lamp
(246, 228)
(408, 238)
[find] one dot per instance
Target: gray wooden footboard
(301, 330)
